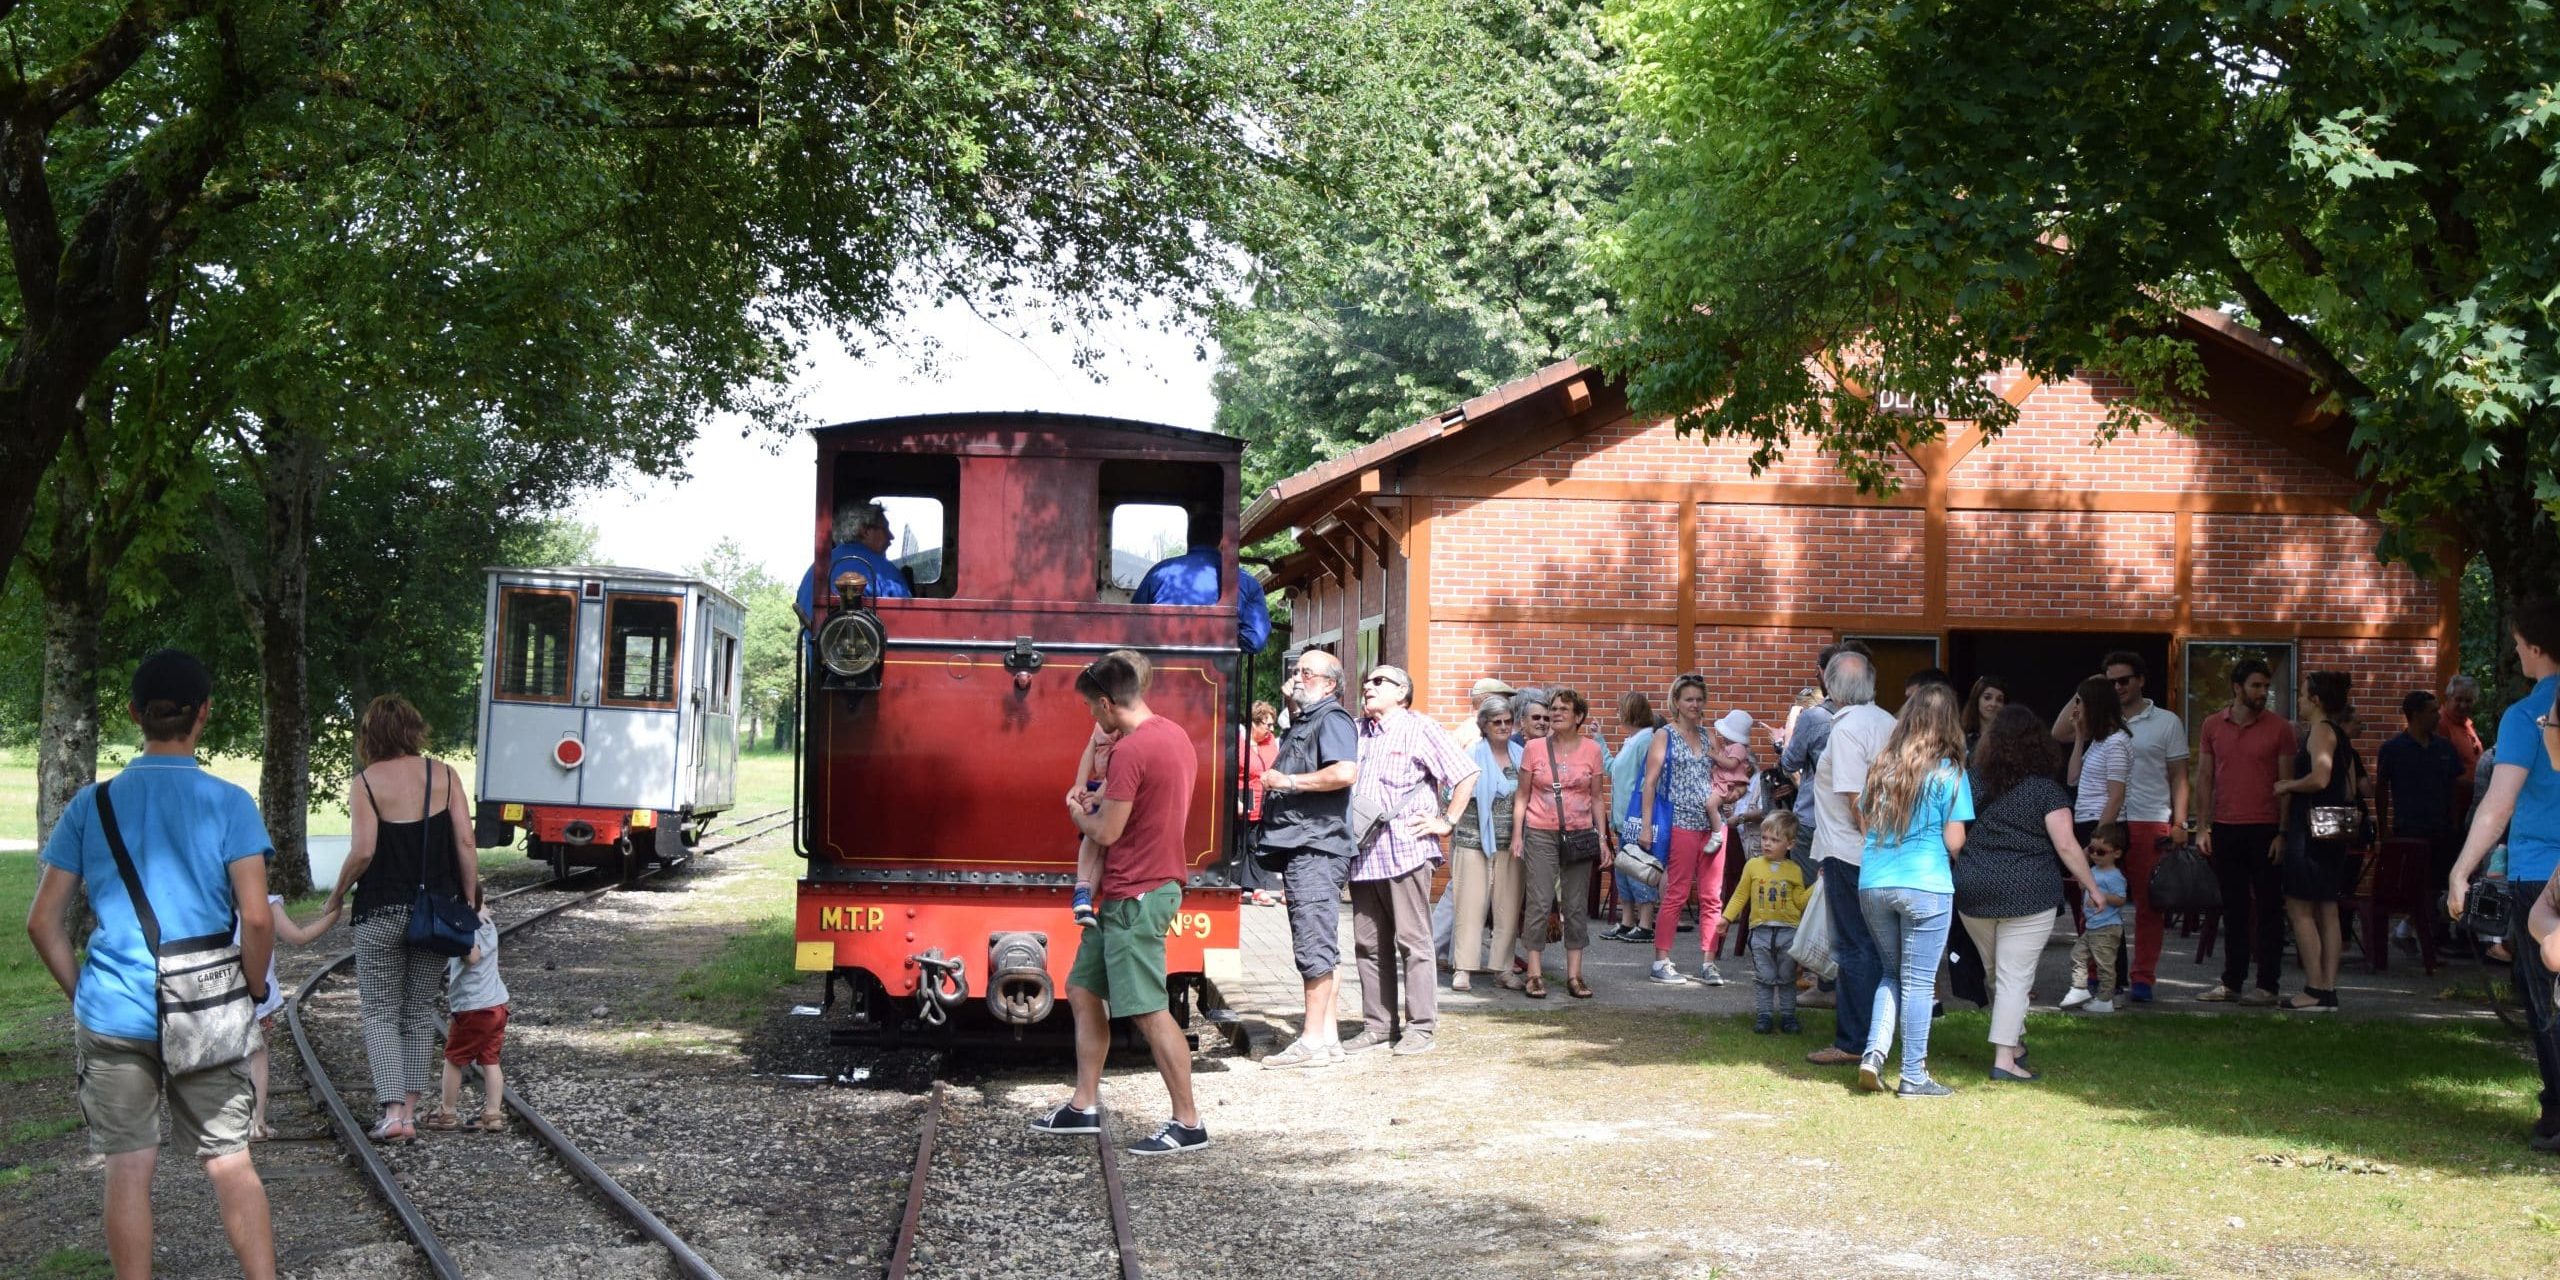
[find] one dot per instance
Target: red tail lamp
(570, 753)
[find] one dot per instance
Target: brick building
(1543, 533)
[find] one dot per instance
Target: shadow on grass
(2450, 1095)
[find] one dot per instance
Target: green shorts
(1122, 959)
(120, 1085)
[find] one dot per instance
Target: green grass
(18, 789)
(38, 1130)
(2159, 1143)
(75, 1264)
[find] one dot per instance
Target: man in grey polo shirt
(1857, 735)
(2155, 804)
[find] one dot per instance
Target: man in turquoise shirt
(2523, 807)
(200, 853)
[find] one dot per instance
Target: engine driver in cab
(862, 537)
(1199, 574)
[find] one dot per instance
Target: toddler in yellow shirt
(1772, 891)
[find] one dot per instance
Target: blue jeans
(1910, 927)
(1854, 950)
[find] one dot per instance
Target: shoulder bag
(2184, 883)
(441, 923)
(204, 1010)
(1578, 845)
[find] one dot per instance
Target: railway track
(952, 1258)
(535, 1139)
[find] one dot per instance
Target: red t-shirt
(1153, 768)
(2245, 761)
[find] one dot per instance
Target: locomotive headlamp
(851, 644)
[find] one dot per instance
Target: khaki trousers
(1484, 885)
(1386, 914)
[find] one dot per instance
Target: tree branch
(88, 73)
(2280, 324)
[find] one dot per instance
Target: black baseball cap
(173, 676)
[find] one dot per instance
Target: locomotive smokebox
(1018, 987)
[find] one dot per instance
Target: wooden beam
(1417, 610)
(1764, 494)
(2184, 543)
(1912, 624)
(1395, 516)
(1357, 520)
(1684, 646)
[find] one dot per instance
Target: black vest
(1311, 821)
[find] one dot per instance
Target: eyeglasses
(1374, 682)
(1310, 673)
(2122, 681)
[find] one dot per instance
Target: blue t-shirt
(184, 828)
(2110, 880)
(1919, 859)
(888, 581)
(2533, 834)
(1195, 577)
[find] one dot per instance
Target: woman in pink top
(1565, 766)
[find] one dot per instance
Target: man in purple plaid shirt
(1406, 762)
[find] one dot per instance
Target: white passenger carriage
(608, 712)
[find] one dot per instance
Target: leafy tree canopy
(1923, 193)
(1455, 262)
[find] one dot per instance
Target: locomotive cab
(964, 569)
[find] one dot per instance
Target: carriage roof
(613, 573)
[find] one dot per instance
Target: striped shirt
(2102, 763)
(1406, 762)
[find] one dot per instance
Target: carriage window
(1143, 534)
(641, 634)
(537, 644)
(724, 676)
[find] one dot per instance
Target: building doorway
(2043, 668)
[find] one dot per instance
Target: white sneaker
(1666, 975)
(1709, 976)
(1301, 1054)
(2077, 997)
(2099, 1006)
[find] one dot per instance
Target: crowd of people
(1961, 828)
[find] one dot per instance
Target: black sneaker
(1066, 1119)
(1644, 934)
(1924, 1089)
(1174, 1136)
(1615, 933)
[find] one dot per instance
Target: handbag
(440, 923)
(2333, 821)
(1812, 944)
(1581, 845)
(2184, 883)
(204, 1010)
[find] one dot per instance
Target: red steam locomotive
(942, 726)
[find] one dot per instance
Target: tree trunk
(2516, 536)
(292, 489)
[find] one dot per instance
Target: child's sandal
(441, 1121)
(487, 1122)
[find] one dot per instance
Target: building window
(537, 644)
(2209, 664)
(641, 637)
(1143, 534)
(1898, 658)
(1372, 632)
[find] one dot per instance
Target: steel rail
(1124, 1238)
(351, 1132)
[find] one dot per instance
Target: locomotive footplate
(922, 957)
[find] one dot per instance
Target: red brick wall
(2382, 672)
(2051, 447)
(2292, 569)
(1648, 449)
(1759, 670)
(2057, 564)
(1601, 662)
(1805, 559)
(1539, 551)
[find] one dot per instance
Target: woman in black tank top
(388, 861)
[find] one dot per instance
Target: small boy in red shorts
(478, 998)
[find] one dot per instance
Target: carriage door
(715, 728)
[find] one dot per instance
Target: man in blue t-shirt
(1198, 576)
(862, 539)
(2523, 807)
(200, 852)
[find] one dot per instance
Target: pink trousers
(1692, 869)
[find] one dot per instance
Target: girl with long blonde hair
(1914, 807)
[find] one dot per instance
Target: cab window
(1153, 511)
(921, 496)
(537, 644)
(641, 637)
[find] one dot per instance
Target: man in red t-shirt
(2245, 749)
(1119, 968)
